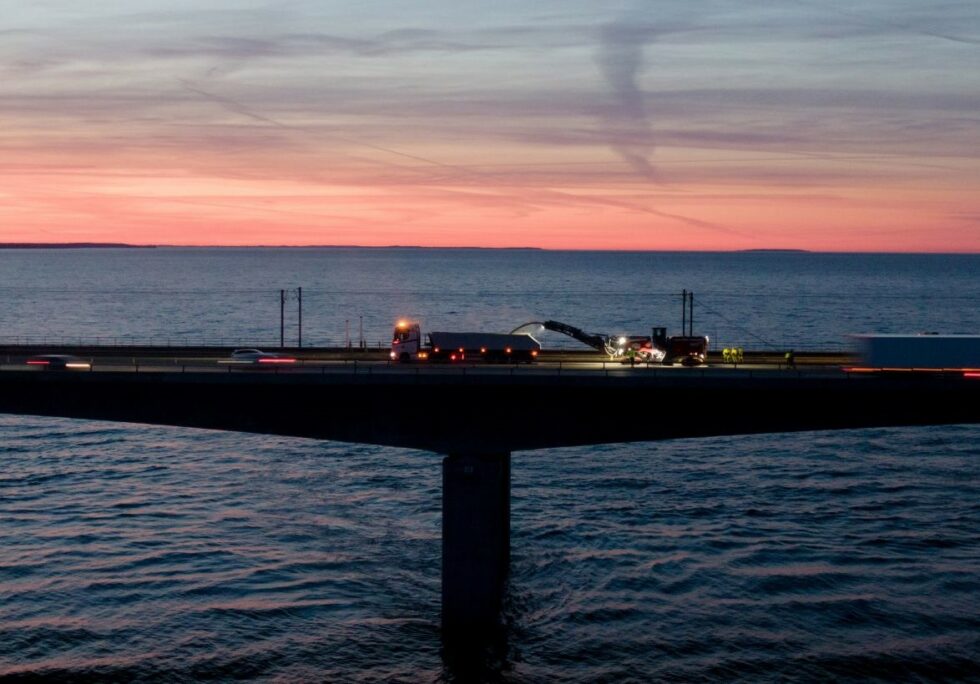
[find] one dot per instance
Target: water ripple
(157, 554)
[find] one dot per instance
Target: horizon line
(126, 245)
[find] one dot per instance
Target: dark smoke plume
(628, 128)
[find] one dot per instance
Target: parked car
(256, 357)
(58, 362)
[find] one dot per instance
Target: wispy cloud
(568, 108)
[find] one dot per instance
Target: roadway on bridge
(307, 368)
(553, 362)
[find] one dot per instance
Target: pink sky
(572, 124)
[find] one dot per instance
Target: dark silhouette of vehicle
(58, 362)
(256, 358)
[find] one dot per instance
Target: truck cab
(406, 343)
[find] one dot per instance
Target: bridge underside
(479, 419)
(496, 413)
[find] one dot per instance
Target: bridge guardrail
(320, 367)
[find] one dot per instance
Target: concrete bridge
(477, 416)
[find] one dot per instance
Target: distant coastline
(122, 245)
(422, 248)
(418, 247)
(774, 251)
(72, 245)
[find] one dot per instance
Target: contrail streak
(239, 108)
(540, 194)
(870, 20)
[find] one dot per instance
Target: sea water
(139, 553)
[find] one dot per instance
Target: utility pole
(690, 317)
(347, 333)
(683, 312)
(282, 318)
(299, 306)
(360, 337)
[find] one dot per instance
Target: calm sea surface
(131, 553)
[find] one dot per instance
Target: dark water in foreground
(133, 553)
(162, 554)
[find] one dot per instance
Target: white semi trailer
(452, 347)
(919, 352)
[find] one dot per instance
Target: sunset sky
(716, 124)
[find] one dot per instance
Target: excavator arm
(603, 343)
(600, 342)
(615, 347)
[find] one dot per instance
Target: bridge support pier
(475, 543)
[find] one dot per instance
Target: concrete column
(475, 542)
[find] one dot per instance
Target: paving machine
(689, 350)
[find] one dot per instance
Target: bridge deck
(487, 407)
